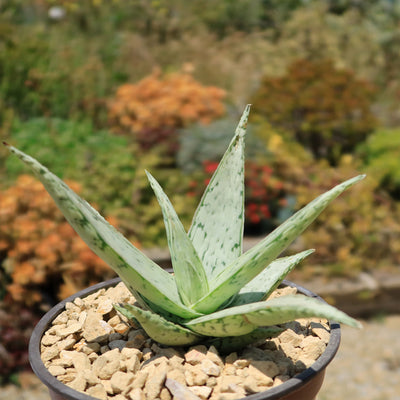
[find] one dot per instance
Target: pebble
(56, 370)
(136, 394)
(95, 328)
(117, 344)
(98, 391)
(120, 381)
(49, 340)
(155, 382)
(94, 350)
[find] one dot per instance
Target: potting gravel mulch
(366, 367)
(93, 349)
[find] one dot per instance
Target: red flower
(210, 166)
(265, 210)
(255, 219)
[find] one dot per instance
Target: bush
(16, 328)
(381, 158)
(161, 105)
(103, 163)
(45, 71)
(327, 110)
(359, 232)
(44, 258)
(60, 144)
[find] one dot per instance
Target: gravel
(366, 367)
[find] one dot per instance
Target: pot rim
(68, 393)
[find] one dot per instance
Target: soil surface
(366, 367)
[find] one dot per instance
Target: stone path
(367, 367)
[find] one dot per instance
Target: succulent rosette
(217, 293)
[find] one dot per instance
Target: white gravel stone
(210, 368)
(49, 340)
(95, 329)
(201, 391)
(312, 347)
(79, 383)
(120, 381)
(136, 394)
(56, 370)
(155, 382)
(194, 375)
(97, 391)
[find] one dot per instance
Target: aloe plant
(217, 293)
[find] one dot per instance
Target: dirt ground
(367, 365)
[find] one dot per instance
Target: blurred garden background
(99, 91)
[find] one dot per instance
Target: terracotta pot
(304, 386)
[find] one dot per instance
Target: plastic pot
(303, 386)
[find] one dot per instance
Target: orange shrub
(43, 257)
(163, 104)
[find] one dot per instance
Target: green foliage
(68, 67)
(222, 16)
(45, 72)
(348, 242)
(69, 147)
(327, 110)
(313, 33)
(381, 158)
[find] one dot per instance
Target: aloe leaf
(236, 321)
(217, 227)
(158, 328)
(223, 323)
(288, 308)
(269, 279)
(190, 277)
(251, 263)
(138, 272)
(229, 344)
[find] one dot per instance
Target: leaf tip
(358, 178)
(358, 325)
(150, 177)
